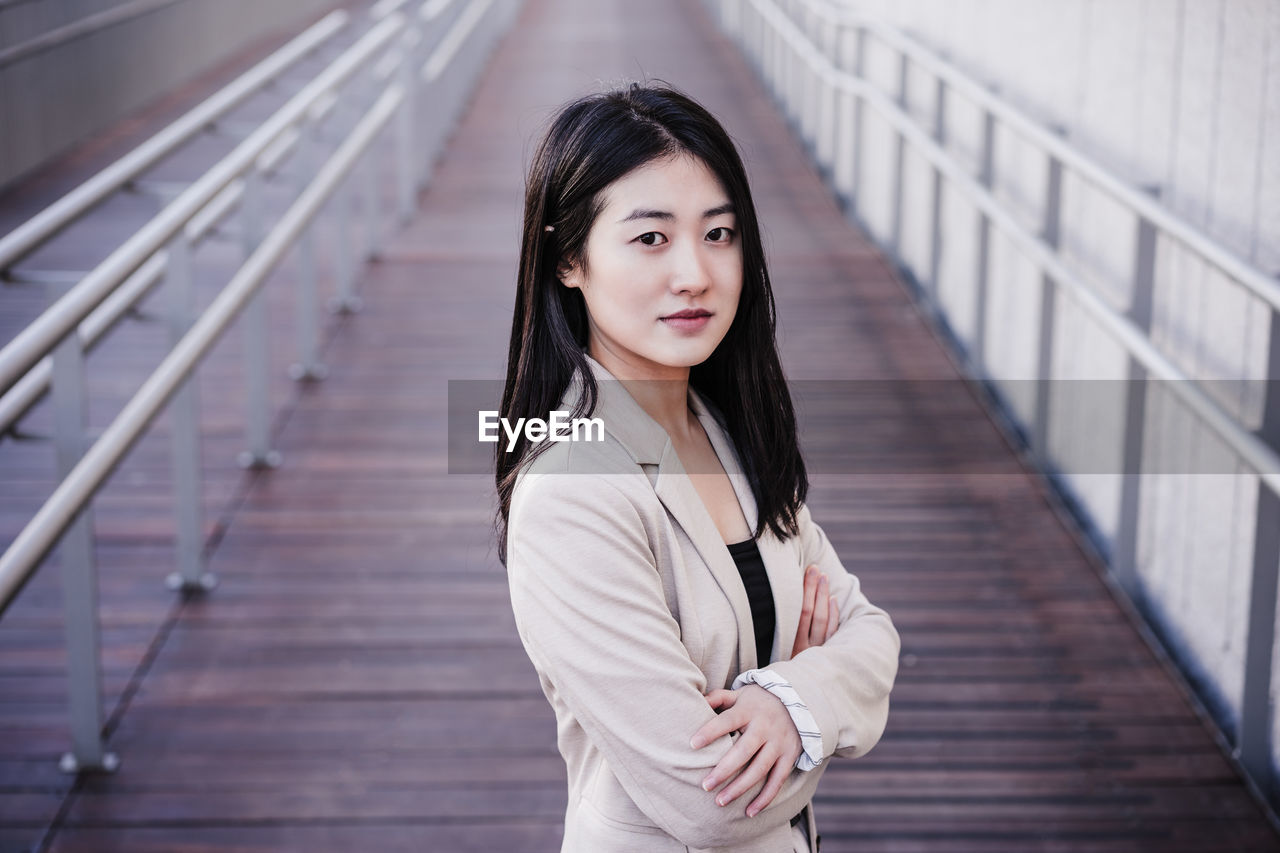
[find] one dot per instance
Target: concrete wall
(58, 87)
(1180, 97)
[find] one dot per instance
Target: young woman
(700, 642)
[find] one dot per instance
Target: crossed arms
(589, 604)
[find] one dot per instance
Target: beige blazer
(631, 609)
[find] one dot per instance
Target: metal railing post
(757, 43)
(899, 159)
(807, 101)
(456, 84)
(257, 350)
(184, 424)
(308, 367)
(369, 174)
(817, 102)
(406, 172)
(769, 39)
(778, 60)
(1052, 234)
(859, 121)
(345, 300)
(842, 154)
(986, 177)
(441, 97)
(731, 17)
(1253, 746)
(829, 110)
(794, 92)
(1125, 562)
(931, 285)
(79, 574)
(426, 131)
(772, 43)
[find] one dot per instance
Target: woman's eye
(717, 233)
(646, 238)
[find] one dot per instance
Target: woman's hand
(768, 736)
(819, 616)
(767, 731)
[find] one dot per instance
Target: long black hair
(592, 142)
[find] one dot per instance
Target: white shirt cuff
(810, 737)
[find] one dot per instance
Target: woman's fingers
(807, 603)
(765, 758)
(818, 630)
(737, 756)
(722, 724)
(810, 593)
(819, 613)
(772, 786)
(721, 698)
(768, 736)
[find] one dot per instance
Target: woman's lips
(687, 323)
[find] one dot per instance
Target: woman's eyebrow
(644, 213)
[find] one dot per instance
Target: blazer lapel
(678, 495)
(778, 557)
(649, 444)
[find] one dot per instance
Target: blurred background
(1025, 257)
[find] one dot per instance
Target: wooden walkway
(356, 682)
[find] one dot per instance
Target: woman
(660, 570)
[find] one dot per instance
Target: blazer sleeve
(590, 609)
(845, 682)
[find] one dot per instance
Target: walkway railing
(411, 69)
(815, 57)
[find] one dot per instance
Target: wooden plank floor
(356, 682)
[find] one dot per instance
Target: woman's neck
(664, 395)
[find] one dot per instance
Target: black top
(751, 566)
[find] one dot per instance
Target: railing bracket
(70, 764)
(308, 373)
(140, 314)
(205, 583)
(347, 305)
(248, 460)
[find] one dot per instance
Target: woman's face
(665, 242)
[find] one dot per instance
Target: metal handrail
(28, 390)
(162, 247)
(86, 26)
(40, 534)
(31, 344)
(37, 230)
(1252, 740)
(427, 11)
(16, 563)
(1230, 264)
(454, 39)
(20, 354)
(1264, 460)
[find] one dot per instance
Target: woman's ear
(568, 274)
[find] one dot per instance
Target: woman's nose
(691, 275)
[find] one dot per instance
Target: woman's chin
(679, 354)
(687, 357)
(688, 351)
